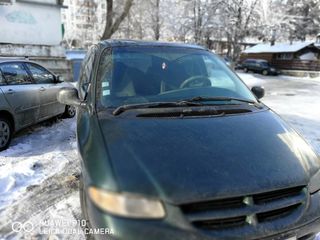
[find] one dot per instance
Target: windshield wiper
(204, 99)
(182, 103)
(195, 101)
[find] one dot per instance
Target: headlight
(314, 184)
(126, 205)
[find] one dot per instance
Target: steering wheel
(201, 80)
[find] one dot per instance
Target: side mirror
(58, 79)
(258, 91)
(69, 96)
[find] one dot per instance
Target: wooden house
(301, 56)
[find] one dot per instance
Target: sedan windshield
(264, 64)
(134, 75)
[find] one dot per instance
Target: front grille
(271, 196)
(245, 210)
(270, 215)
(212, 205)
(221, 223)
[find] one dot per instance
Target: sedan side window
(2, 81)
(15, 73)
(40, 74)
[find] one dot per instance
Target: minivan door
(49, 105)
(21, 93)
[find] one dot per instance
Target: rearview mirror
(69, 96)
(258, 91)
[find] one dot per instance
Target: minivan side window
(86, 69)
(39, 74)
(15, 73)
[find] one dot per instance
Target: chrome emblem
(248, 201)
(250, 219)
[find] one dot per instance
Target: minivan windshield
(134, 75)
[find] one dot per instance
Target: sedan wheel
(265, 72)
(245, 70)
(70, 111)
(5, 133)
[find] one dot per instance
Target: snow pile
(16, 177)
(62, 220)
(310, 56)
(33, 158)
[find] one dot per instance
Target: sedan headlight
(126, 205)
(314, 184)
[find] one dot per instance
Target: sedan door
(49, 105)
(21, 93)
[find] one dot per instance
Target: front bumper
(176, 227)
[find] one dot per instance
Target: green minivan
(173, 145)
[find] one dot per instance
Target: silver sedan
(27, 96)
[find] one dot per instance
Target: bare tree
(138, 24)
(155, 17)
(177, 20)
(303, 18)
(112, 23)
(240, 15)
(202, 16)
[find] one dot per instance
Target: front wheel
(69, 112)
(265, 72)
(6, 132)
(245, 70)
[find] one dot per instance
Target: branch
(123, 15)
(112, 26)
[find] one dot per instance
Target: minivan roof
(133, 43)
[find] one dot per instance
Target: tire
(6, 132)
(83, 204)
(245, 70)
(265, 72)
(69, 112)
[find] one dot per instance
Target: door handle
(10, 91)
(42, 89)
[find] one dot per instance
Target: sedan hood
(195, 159)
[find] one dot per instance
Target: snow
(38, 175)
(278, 47)
(33, 160)
(75, 54)
(39, 172)
(250, 80)
(310, 56)
(297, 100)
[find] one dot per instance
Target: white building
(33, 28)
(83, 22)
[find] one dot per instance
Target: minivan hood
(195, 159)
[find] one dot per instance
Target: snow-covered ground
(39, 172)
(297, 100)
(39, 182)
